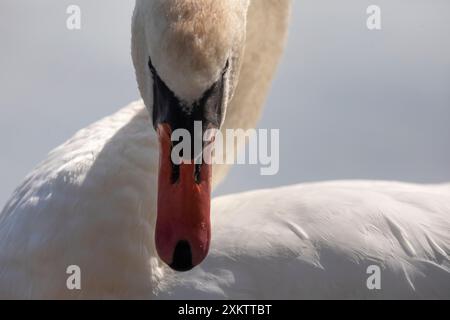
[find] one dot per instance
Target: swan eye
(212, 100)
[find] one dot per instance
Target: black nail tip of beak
(182, 257)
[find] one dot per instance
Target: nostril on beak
(182, 257)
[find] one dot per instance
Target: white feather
(92, 204)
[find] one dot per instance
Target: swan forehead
(191, 40)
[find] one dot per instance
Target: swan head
(187, 57)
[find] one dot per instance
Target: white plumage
(92, 203)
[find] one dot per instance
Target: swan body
(319, 240)
(91, 203)
(307, 241)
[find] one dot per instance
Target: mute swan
(92, 202)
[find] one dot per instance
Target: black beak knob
(182, 257)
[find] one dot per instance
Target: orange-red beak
(183, 230)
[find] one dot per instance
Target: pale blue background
(351, 103)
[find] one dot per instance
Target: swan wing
(321, 241)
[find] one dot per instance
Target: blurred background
(351, 103)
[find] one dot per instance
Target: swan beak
(183, 229)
